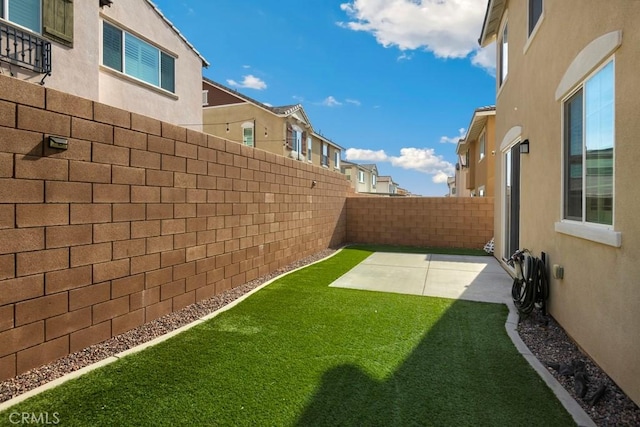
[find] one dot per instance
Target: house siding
(596, 302)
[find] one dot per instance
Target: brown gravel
(544, 337)
(551, 345)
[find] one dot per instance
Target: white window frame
(205, 97)
(325, 155)
(309, 148)
(7, 17)
(336, 159)
(361, 177)
(245, 126)
(374, 180)
(123, 46)
(601, 233)
(482, 143)
(503, 47)
(531, 32)
(481, 191)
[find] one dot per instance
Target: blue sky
(394, 82)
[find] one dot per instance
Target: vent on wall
(205, 97)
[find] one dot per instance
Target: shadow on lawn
(460, 373)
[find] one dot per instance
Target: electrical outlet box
(558, 271)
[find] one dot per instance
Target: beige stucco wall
(78, 71)
(597, 302)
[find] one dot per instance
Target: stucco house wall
(77, 70)
(597, 300)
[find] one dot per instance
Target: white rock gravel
(544, 337)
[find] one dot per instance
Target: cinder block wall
(138, 218)
(459, 222)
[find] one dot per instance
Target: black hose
(533, 288)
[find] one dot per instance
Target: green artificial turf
(301, 353)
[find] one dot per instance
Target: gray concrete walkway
(475, 278)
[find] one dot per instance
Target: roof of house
(370, 167)
(491, 23)
(478, 122)
(205, 63)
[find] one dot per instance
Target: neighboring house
(386, 186)
(451, 185)
(285, 131)
(567, 103)
(363, 178)
(458, 182)
(125, 54)
(477, 153)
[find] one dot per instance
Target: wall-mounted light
(524, 147)
(227, 127)
(58, 142)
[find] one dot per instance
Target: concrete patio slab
(476, 278)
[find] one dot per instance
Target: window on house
(205, 97)
(504, 54)
(374, 181)
(51, 18)
(589, 141)
(26, 13)
(336, 157)
(325, 154)
(248, 134)
(483, 147)
(134, 57)
(535, 11)
(361, 177)
(481, 191)
(309, 145)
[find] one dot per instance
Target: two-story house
(567, 102)
(124, 53)
(477, 153)
(284, 130)
(386, 185)
(363, 178)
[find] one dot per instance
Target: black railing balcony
(24, 49)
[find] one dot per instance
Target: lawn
(300, 353)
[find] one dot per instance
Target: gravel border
(551, 345)
(543, 336)
(37, 377)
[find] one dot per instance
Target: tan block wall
(138, 218)
(460, 222)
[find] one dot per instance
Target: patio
(472, 278)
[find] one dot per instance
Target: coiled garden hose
(532, 289)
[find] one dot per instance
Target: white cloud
(330, 101)
(486, 58)
(453, 139)
(357, 154)
(447, 28)
(298, 98)
(423, 160)
(250, 82)
(246, 66)
(353, 101)
(404, 56)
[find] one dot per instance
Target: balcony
(24, 49)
